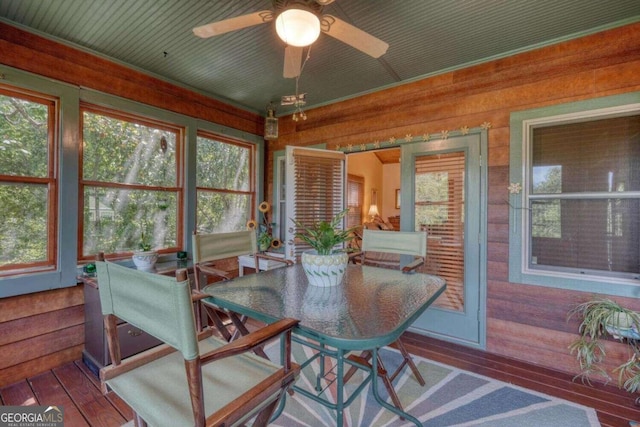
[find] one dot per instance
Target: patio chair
(191, 379)
(383, 249)
(209, 248)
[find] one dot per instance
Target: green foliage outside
(545, 214)
(131, 194)
(432, 198)
(224, 184)
(116, 219)
(23, 208)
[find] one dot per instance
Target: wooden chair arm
(197, 295)
(273, 258)
(250, 341)
(133, 362)
(354, 255)
(207, 269)
(409, 268)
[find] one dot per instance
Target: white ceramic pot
(324, 270)
(145, 260)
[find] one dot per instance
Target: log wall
(39, 332)
(44, 330)
(524, 322)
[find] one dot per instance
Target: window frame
(51, 181)
(521, 126)
(177, 189)
(68, 137)
(252, 192)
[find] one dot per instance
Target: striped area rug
(451, 397)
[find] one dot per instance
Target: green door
(444, 193)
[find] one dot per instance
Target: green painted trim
(409, 139)
(66, 271)
(475, 256)
(516, 174)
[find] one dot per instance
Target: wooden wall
(524, 322)
(39, 332)
(43, 330)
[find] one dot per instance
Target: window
(580, 213)
(28, 184)
(355, 200)
(130, 187)
(224, 183)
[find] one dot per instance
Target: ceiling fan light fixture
(298, 27)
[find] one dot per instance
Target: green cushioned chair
(209, 248)
(383, 249)
(193, 379)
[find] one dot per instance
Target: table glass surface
(371, 307)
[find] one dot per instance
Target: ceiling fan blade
(292, 61)
(353, 36)
(232, 24)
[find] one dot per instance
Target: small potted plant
(144, 257)
(326, 263)
(602, 318)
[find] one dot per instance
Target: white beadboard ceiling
(244, 67)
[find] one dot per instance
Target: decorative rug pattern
(450, 397)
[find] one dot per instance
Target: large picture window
(131, 183)
(28, 182)
(580, 205)
(224, 183)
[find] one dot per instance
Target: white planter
(324, 270)
(145, 260)
(621, 325)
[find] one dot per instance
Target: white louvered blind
(355, 199)
(439, 209)
(318, 190)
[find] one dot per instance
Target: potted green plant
(326, 263)
(602, 318)
(144, 257)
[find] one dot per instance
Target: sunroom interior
(519, 157)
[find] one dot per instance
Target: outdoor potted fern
(602, 318)
(326, 263)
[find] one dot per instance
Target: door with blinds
(315, 190)
(447, 189)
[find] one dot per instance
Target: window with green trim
(224, 184)
(577, 219)
(28, 182)
(131, 183)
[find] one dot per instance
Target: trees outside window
(131, 183)
(224, 184)
(28, 185)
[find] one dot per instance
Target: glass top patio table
(370, 309)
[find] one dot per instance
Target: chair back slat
(395, 242)
(212, 247)
(159, 305)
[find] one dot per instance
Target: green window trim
(521, 124)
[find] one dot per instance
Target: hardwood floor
(77, 389)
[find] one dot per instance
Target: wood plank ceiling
(244, 67)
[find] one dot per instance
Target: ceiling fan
(298, 24)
